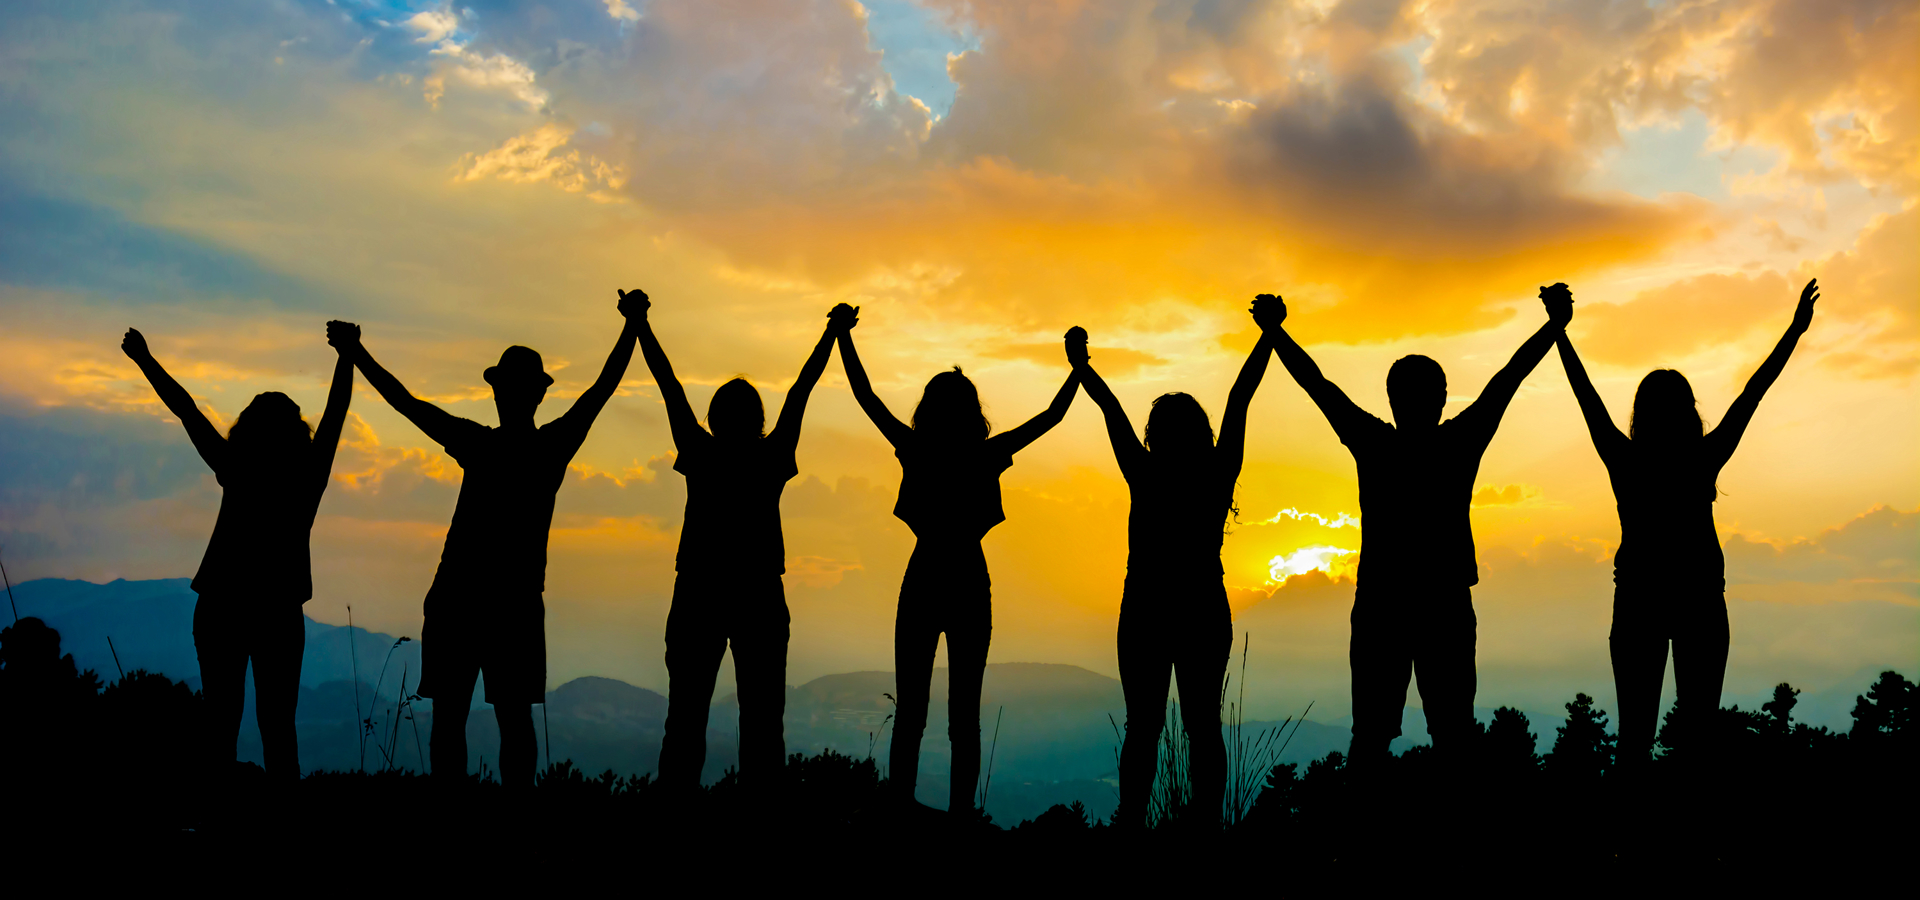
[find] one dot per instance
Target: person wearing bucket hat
(258, 569)
(728, 589)
(485, 613)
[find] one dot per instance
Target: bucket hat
(519, 367)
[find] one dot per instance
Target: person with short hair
(258, 569)
(485, 613)
(728, 589)
(1413, 597)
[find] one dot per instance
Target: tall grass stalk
(354, 655)
(1250, 758)
(988, 786)
(10, 603)
(1172, 791)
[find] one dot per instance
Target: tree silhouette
(1583, 750)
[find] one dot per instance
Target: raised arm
(442, 426)
(326, 437)
(787, 429)
(1487, 410)
(1127, 449)
(578, 419)
(1606, 435)
(1726, 436)
(1232, 445)
(1269, 312)
(687, 432)
(212, 447)
(895, 431)
(1015, 440)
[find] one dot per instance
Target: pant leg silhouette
(915, 638)
(222, 651)
(1200, 667)
(696, 644)
(1165, 636)
(944, 589)
(1146, 668)
(967, 643)
(452, 698)
(1645, 620)
(278, 646)
(1396, 635)
(519, 748)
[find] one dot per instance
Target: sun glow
(1335, 561)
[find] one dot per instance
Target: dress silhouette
(258, 569)
(950, 498)
(485, 613)
(1413, 600)
(1669, 574)
(1174, 617)
(732, 556)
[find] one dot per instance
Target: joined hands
(1269, 311)
(1076, 343)
(1558, 299)
(634, 304)
(842, 318)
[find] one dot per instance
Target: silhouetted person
(1174, 617)
(1669, 575)
(1413, 600)
(950, 497)
(732, 557)
(258, 569)
(485, 613)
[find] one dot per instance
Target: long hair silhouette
(950, 464)
(1178, 425)
(271, 422)
(1669, 571)
(950, 407)
(736, 411)
(258, 568)
(1664, 409)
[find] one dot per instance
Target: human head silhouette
(271, 424)
(1178, 426)
(1417, 391)
(519, 382)
(950, 408)
(1664, 409)
(736, 411)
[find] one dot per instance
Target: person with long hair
(1174, 618)
(1413, 593)
(485, 613)
(728, 588)
(258, 569)
(950, 464)
(1669, 574)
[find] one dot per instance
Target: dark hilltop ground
(105, 764)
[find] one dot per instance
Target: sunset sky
(979, 176)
